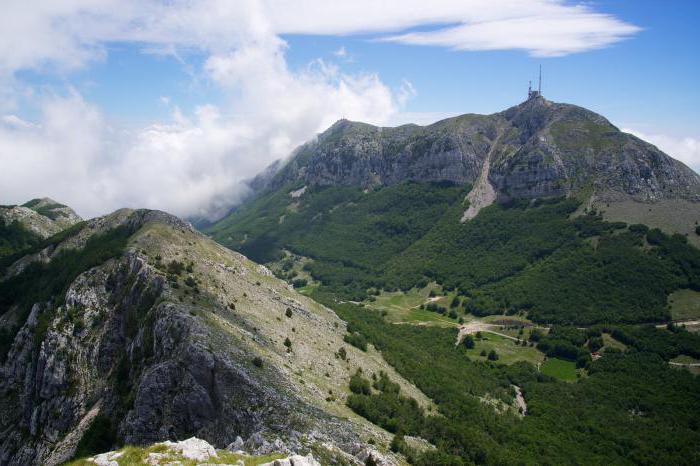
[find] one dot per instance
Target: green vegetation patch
(508, 351)
(349, 234)
(14, 239)
(559, 369)
(685, 304)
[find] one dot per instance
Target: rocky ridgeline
(538, 148)
(179, 337)
(42, 217)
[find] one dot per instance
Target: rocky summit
(134, 329)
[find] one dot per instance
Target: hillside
(132, 328)
(24, 226)
(541, 259)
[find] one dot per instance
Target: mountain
(133, 328)
(28, 224)
(536, 149)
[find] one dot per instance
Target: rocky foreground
(191, 451)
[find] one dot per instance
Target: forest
(545, 258)
(629, 408)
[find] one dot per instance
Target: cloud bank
(193, 165)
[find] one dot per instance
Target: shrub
(595, 343)
(299, 282)
(357, 340)
(175, 267)
(257, 361)
(493, 356)
(469, 342)
(288, 312)
(359, 385)
(398, 444)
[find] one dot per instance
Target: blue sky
(172, 105)
(649, 82)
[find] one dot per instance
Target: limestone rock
(295, 460)
(192, 449)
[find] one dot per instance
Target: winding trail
(478, 326)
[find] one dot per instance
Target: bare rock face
(538, 148)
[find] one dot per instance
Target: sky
(173, 104)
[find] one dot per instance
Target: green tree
(469, 342)
(493, 356)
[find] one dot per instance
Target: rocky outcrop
(196, 450)
(545, 149)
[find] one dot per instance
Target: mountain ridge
(545, 149)
(134, 328)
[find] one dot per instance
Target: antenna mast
(539, 87)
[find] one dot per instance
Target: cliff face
(538, 148)
(171, 337)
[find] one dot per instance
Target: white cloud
(341, 52)
(69, 33)
(686, 149)
(194, 164)
(542, 34)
